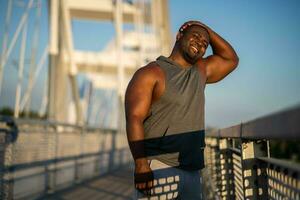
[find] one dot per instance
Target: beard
(188, 53)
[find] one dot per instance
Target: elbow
(235, 61)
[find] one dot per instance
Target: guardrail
(40, 157)
(239, 164)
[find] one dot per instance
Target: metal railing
(239, 164)
(41, 157)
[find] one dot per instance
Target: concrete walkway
(117, 185)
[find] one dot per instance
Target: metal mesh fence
(231, 174)
(283, 180)
(41, 157)
(238, 175)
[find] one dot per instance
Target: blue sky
(265, 34)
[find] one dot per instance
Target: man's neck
(179, 59)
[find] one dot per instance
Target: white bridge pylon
(102, 67)
(111, 68)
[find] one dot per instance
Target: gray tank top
(174, 130)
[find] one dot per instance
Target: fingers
(145, 188)
(150, 184)
(140, 186)
(144, 182)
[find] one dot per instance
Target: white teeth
(195, 49)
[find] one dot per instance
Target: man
(164, 106)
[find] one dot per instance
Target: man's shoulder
(152, 69)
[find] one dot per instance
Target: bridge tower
(114, 68)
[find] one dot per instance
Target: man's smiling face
(193, 43)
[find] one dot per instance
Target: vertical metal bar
(216, 166)
(34, 46)
(119, 38)
(78, 164)
(76, 97)
(85, 100)
(227, 188)
(56, 156)
(45, 98)
(47, 134)
(20, 73)
(154, 23)
(53, 55)
(139, 27)
(250, 151)
(90, 109)
(160, 20)
(208, 172)
(119, 44)
(165, 27)
(73, 68)
(53, 26)
(39, 67)
(5, 38)
(14, 39)
(10, 158)
(2, 162)
(68, 38)
(111, 96)
(95, 110)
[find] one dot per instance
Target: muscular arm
(137, 103)
(223, 61)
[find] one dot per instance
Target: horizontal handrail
(22, 166)
(47, 122)
(281, 125)
(283, 163)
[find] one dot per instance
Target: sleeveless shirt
(174, 129)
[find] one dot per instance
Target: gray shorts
(173, 183)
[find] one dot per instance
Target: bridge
(50, 160)
(75, 146)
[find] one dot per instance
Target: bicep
(138, 95)
(218, 68)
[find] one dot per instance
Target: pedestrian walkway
(117, 185)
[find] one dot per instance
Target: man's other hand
(143, 178)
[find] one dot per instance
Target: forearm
(221, 47)
(143, 175)
(135, 136)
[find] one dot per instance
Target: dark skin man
(148, 83)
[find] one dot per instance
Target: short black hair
(189, 24)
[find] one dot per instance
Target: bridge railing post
(213, 160)
(50, 149)
(52, 154)
(78, 162)
(7, 178)
(254, 173)
(8, 135)
(226, 181)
